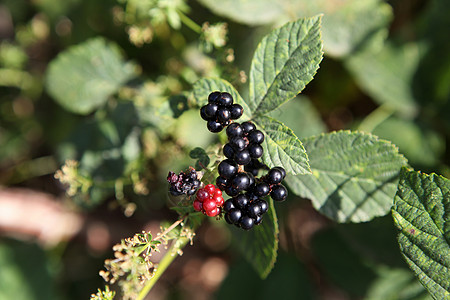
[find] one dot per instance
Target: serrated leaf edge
(319, 20)
(399, 220)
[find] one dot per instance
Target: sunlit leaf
(422, 215)
(354, 175)
(284, 63)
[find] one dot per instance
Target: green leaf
(387, 75)
(354, 175)
(421, 212)
(282, 147)
(301, 116)
(205, 86)
(284, 63)
(83, 77)
(259, 246)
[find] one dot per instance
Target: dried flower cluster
(70, 175)
(132, 266)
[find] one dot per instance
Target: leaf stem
(163, 265)
(189, 23)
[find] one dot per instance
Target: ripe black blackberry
(279, 193)
(220, 111)
(183, 183)
(227, 168)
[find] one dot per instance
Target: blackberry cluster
(247, 209)
(237, 177)
(183, 183)
(209, 201)
(238, 172)
(220, 110)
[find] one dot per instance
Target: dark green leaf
(203, 87)
(422, 214)
(260, 244)
(288, 280)
(83, 77)
(201, 156)
(354, 175)
(357, 261)
(282, 147)
(340, 263)
(24, 272)
(284, 63)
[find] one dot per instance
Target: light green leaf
(354, 175)
(422, 214)
(282, 147)
(417, 141)
(83, 77)
(284, 63)
(259, 245)
(387, 75)
(346, 24)
(247, 12)
(205, 86)
(301, 116)
(396, 283)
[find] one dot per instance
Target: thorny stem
(189, 23)
(163, 265)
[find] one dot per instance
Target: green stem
(375, 118)
(163, 265)
(189, 23)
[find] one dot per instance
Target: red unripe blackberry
(197, 205)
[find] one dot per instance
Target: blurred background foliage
(98, 92)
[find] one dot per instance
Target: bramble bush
(349, 102)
